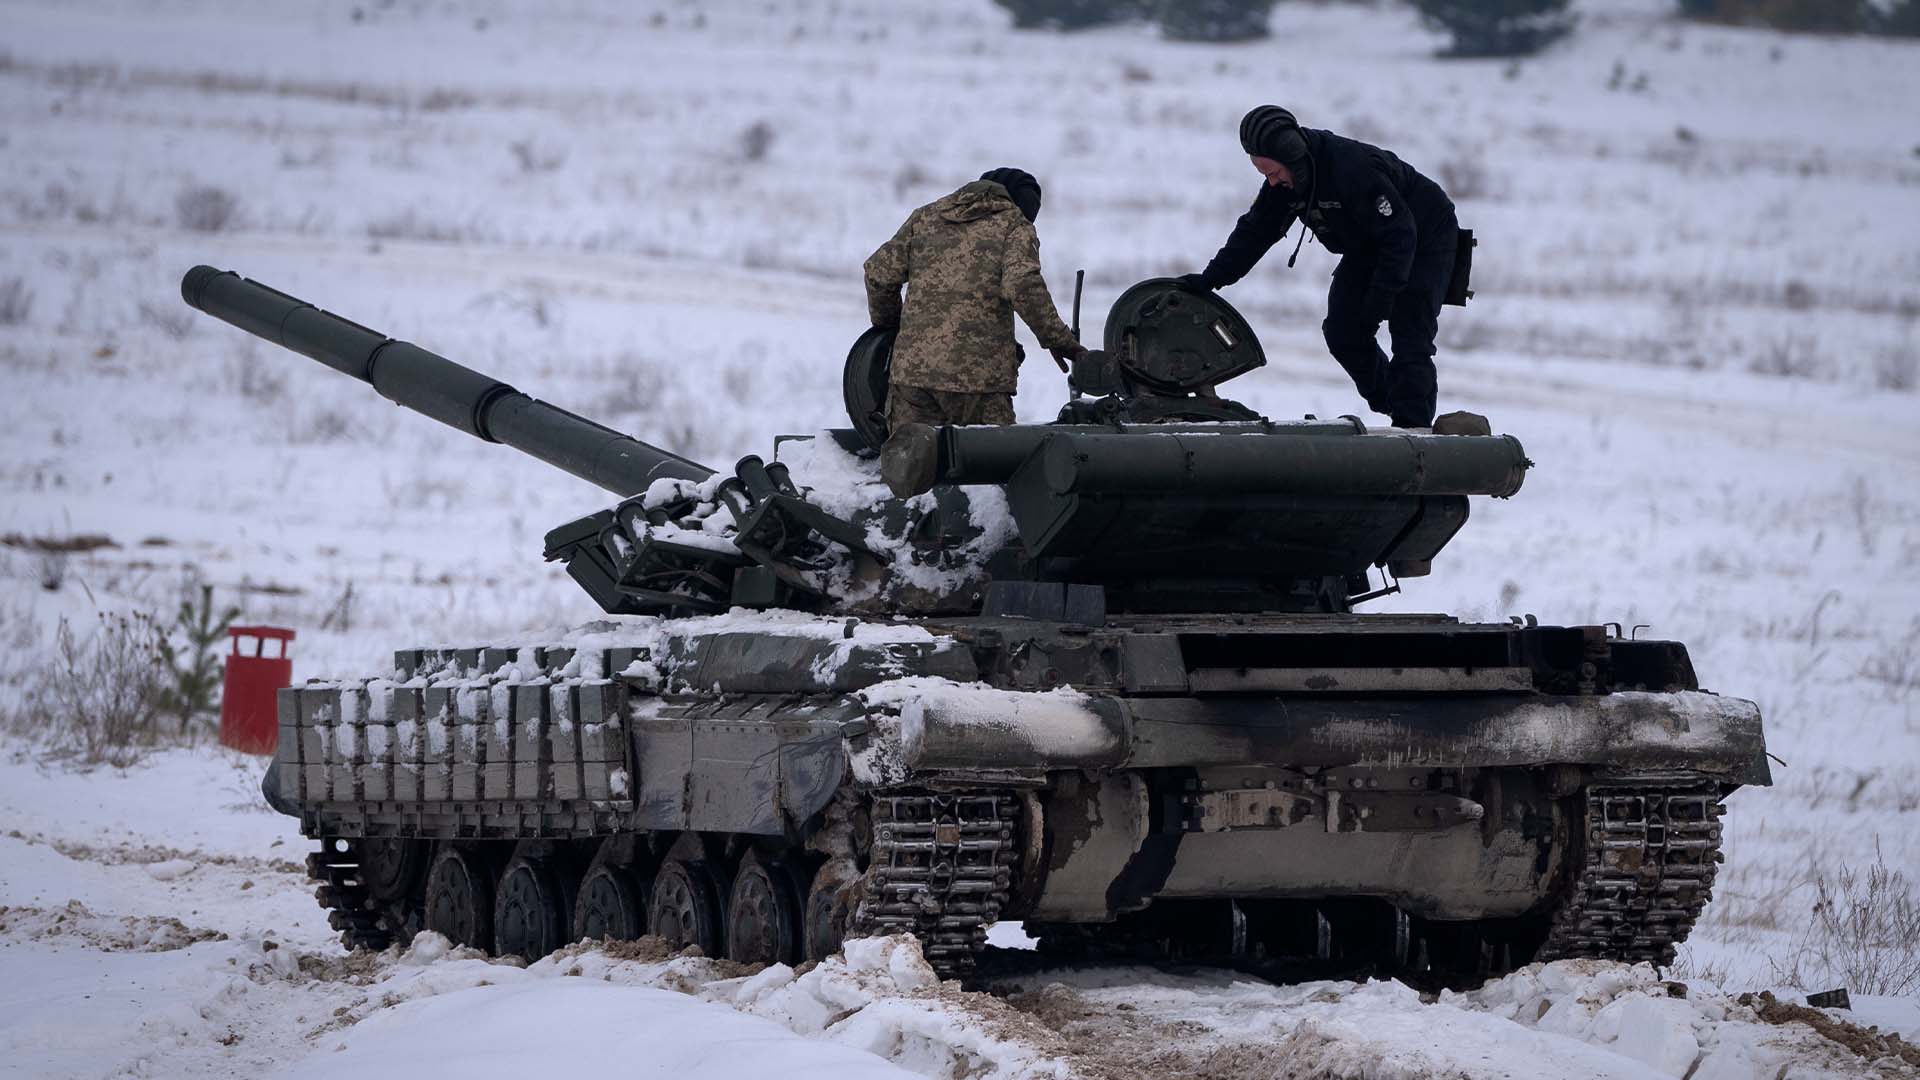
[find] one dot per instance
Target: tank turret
(1150, 487)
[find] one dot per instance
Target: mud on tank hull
(1445, 796)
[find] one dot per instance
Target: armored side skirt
(1692, 730)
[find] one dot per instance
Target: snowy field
(1699, 308)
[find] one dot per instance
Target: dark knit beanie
(1270, 131)
(1021, 185)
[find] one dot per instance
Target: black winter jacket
(1364, 201)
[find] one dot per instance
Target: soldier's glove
(1196, 283)
(1066, 357)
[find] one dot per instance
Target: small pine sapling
(194, 665)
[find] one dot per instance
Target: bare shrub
(321, 427)
(1789, 356)
(418, 492)
(1135, 72)
(908, 177)
(410, 224)
(1896, 367)
(99, 699)
(1464, 173)
(443, 99)
(51, 568)
(1896, 665)
(535, 157)
(254, 380)
(174, 322)
(1509, 594)
(311, 158)
(756, 141)
(206, 208)
(16, 302)
(1689, 967)
(339, 614)
(534, 305)
(1864, 932)
(1860, 503)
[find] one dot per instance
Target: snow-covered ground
(1698, 300)
(241, 977)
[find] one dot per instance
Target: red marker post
(247, 719)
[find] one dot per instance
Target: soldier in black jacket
(1397, 235)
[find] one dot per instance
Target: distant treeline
(1475, 27)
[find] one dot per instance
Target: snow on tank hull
(1097, 781)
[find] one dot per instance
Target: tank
(1104, 676)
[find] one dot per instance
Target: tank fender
(1692, 730)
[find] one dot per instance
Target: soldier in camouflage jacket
(972, 260)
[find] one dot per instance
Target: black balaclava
(1021, 185)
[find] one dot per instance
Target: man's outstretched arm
(1261, 227)
(1026, 290)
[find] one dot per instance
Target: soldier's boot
(910, 460)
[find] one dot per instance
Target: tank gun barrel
(1292, 458)
(458, 396)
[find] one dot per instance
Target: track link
(1652, 849)
(343, 892)
(941, 868)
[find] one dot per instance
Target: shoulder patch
(1385, 207)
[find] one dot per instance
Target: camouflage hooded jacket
(972, 260)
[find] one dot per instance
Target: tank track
(343, 892)
(940, 868)
(1652, 849)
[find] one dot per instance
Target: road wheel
(685, 906)
(829, 907)
(612, 904)
(530, 917)
(392, 866)
(459, 899)
(763, 914)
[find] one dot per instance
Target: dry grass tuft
(1864, 932)
(99, 698)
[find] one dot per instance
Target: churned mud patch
(1115, 1040)
(357, 968)
(152, 854)
(647, 949)
(108, 933)
(1868, 1043)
